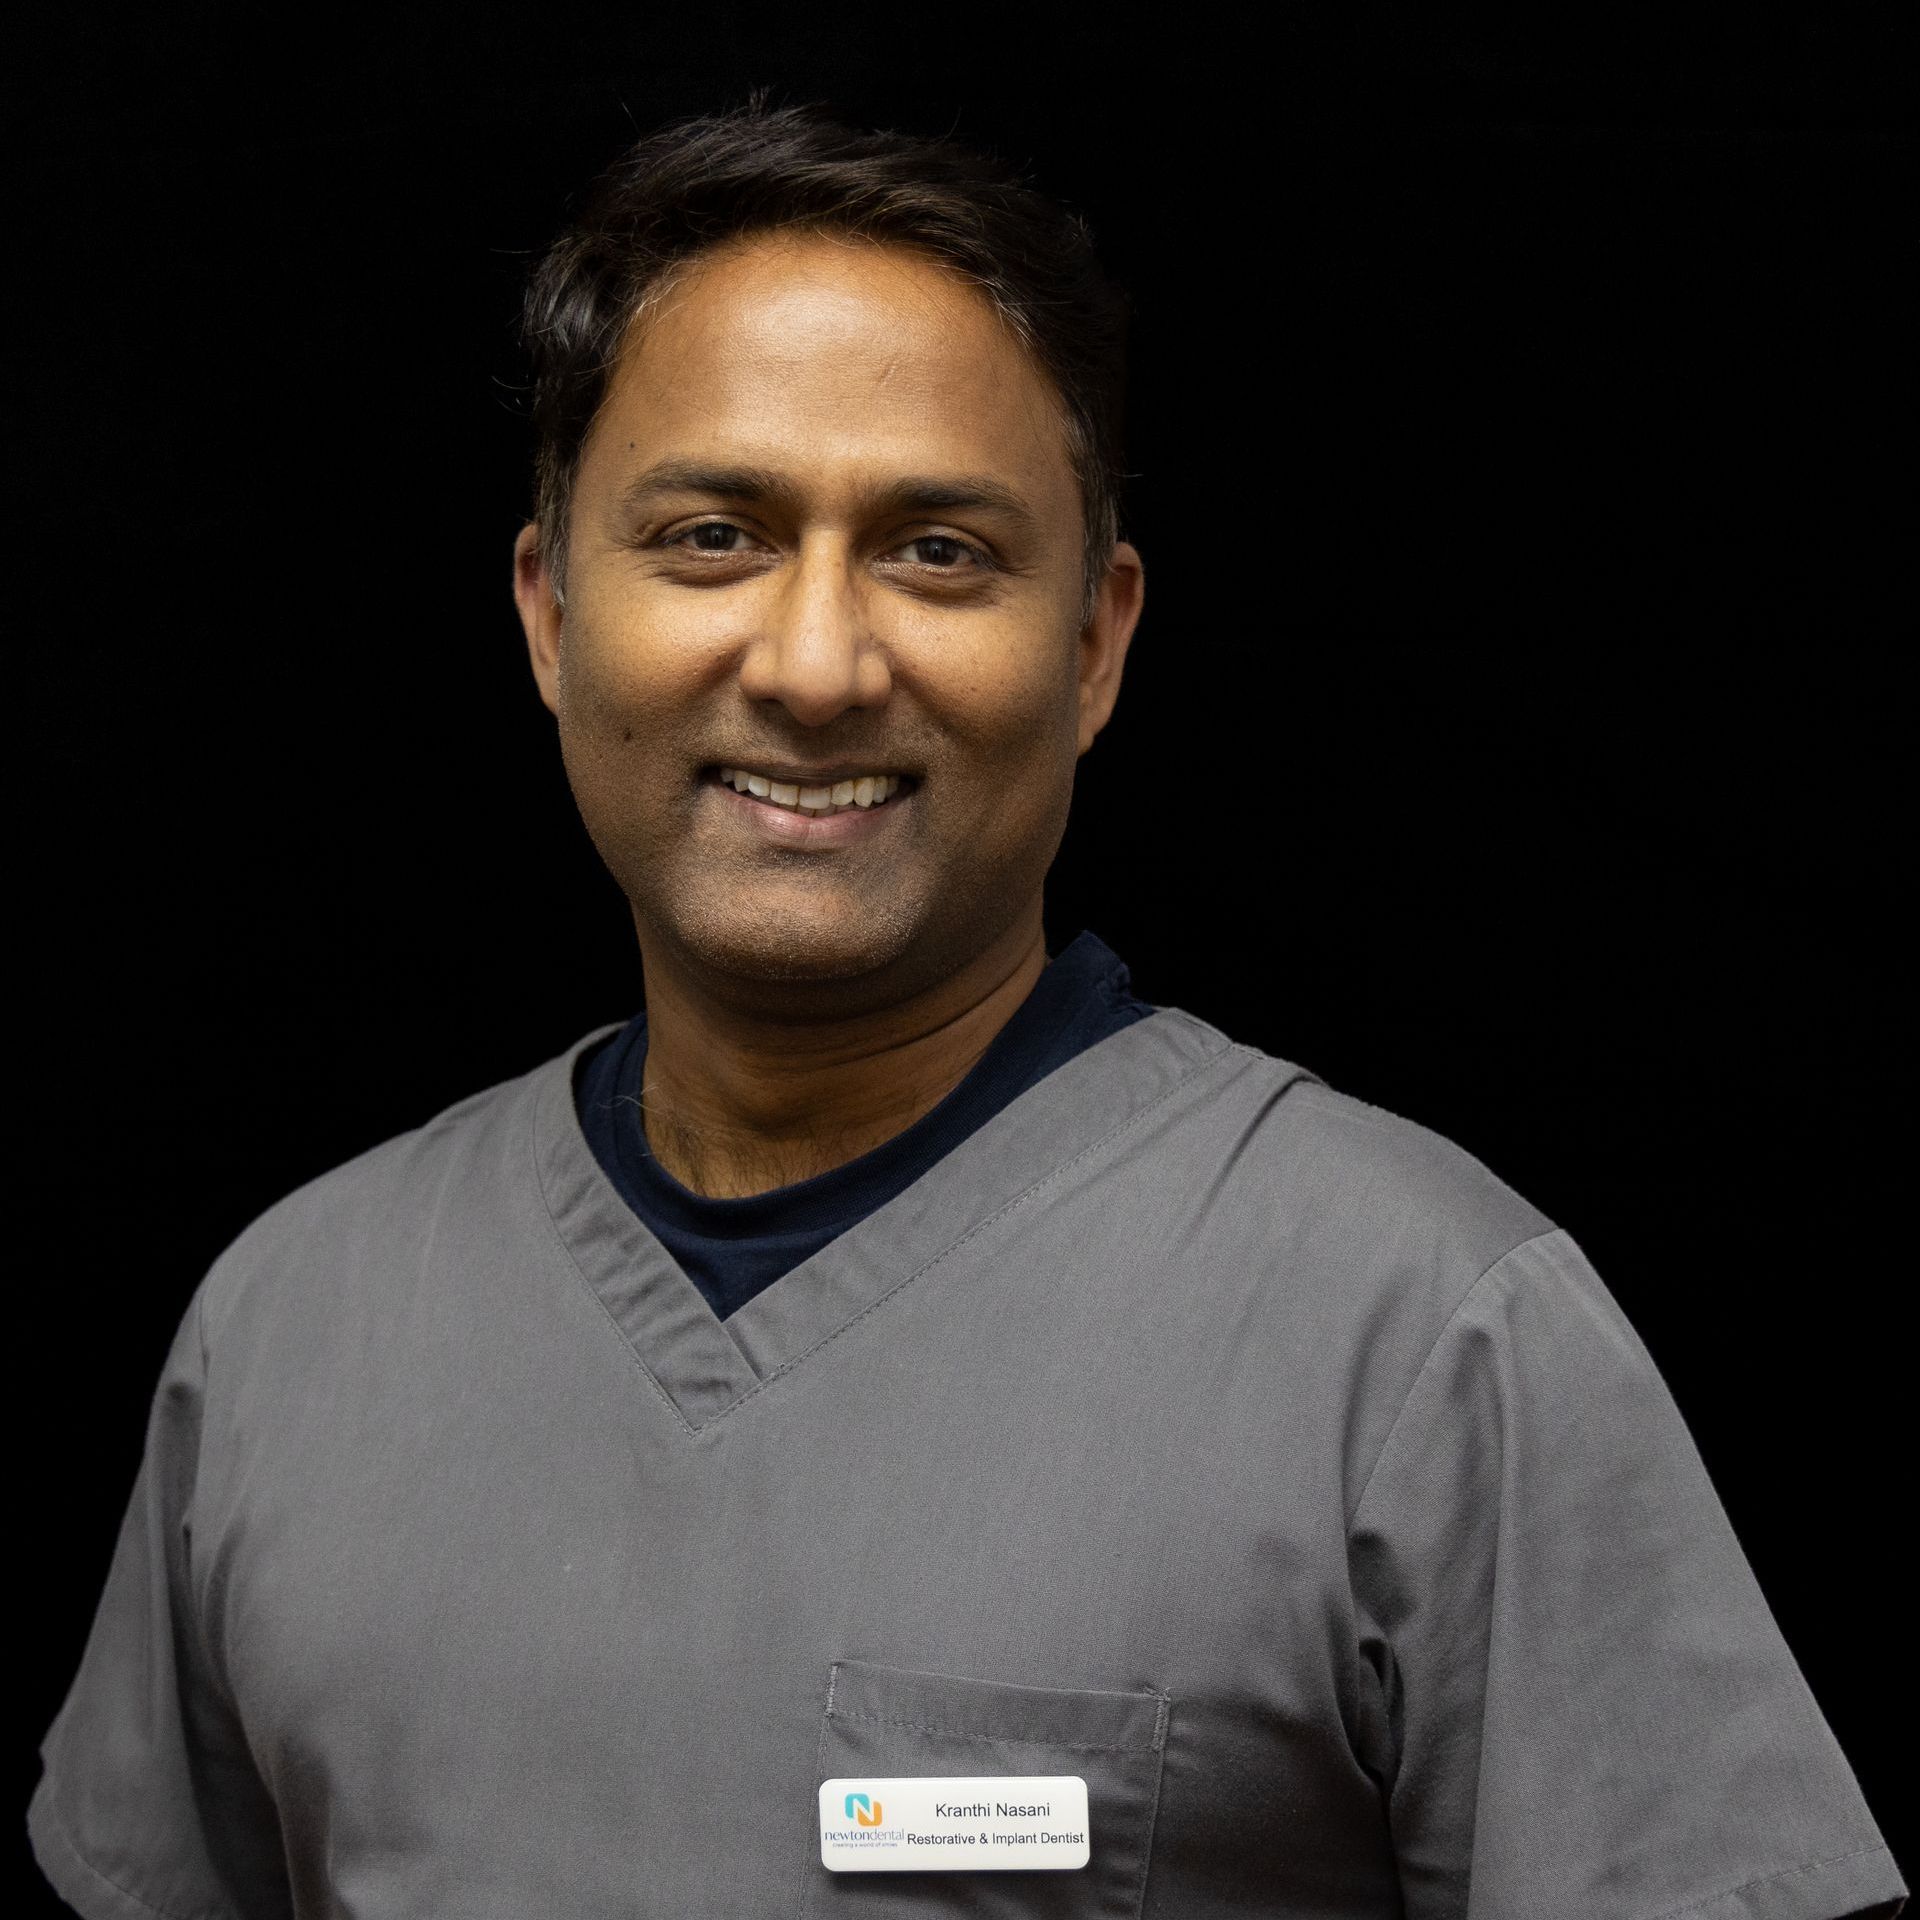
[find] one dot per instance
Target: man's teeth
(868, 791)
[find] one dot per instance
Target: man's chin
(793, 944)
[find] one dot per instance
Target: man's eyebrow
(922, 493)
(696, 476)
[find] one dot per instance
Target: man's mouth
(844, 793)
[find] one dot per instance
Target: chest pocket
(889, 1722)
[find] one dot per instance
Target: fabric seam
(1302, 1076)
(992, 1739)
(579, 1273)
(64, 1835)
(810, 1859)
(1153, 1812)
(1764, 1879)
(1439, 1339)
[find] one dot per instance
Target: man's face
(825, 532)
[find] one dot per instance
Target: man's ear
(539, 613)
(1105, 638)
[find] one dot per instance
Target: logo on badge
(863, 1810)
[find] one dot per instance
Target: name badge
(945, 1823)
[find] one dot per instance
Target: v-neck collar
(706, 1366)
(734, 1247)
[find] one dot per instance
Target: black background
(1510, 736)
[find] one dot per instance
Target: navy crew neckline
(733, 1248)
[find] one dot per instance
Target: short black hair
(701, 182)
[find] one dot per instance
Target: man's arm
(150, 1802)
(1591, 1708)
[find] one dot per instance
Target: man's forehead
(798, 351)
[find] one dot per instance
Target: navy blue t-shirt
(731, 1249)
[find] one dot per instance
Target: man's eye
(710, 536)
(942, 550)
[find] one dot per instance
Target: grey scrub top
(1248, 1453)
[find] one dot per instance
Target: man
(902, 1426)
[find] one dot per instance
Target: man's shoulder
(1405, 1169)
(367, 1208)
(1335, 1168)
(1336, 1235)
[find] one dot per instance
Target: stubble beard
(738, 932)
(822, 960)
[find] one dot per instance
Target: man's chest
(535, 1626)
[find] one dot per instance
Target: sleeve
(149, 1803)
(1585, 1706)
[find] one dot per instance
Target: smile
(854, 793)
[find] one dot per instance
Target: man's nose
(815, 651)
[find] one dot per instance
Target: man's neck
(735, 1104)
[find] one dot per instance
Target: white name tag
(945, 1824)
